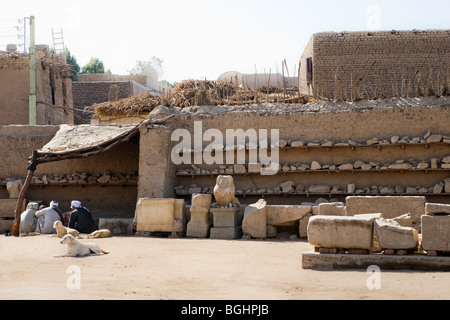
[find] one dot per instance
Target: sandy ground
(193, 269)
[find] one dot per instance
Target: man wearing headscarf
(28, 220)
(81, 218)
(46, 218)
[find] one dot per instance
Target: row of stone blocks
(366, 233)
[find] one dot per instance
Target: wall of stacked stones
(375, 150)
(391, 63)
(106, 183)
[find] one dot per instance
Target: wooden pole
(31, 168)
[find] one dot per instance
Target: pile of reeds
(197, 93)
(131, 106)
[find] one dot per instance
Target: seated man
(46, 219)
(81, 218)
(28, 220)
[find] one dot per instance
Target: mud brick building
(366, 65)
(53, 89)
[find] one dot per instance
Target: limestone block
(346, 167)
(315, 165)
(297, 144)
(254, 222)
(437, 209)
(8, 207)
(303, 226)
(117, 226)
(332, 209)
(400, 166)
(389, 206)
(404, 220)
(199, 225)
(159, 215)
(224, 190)
(239, 168)
(435, 138)
(254, 167)
(319, 188)
(341, 232)
(279, 215)
(436, 233)
(390, 235)
(227, 233)
(201, 201)
(226, 217)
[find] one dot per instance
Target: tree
(154, 62)
(73, 64)
(95, 65)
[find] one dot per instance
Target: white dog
(76, 248)
(61, 231)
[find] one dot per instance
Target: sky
(199, 39)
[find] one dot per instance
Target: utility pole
(32, 98)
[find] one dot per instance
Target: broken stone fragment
(320, 188)
(435, 138)
(390, 235)
(315, 165)
(254, 223)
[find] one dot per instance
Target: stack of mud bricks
(226, 223)
(379, 58)
(436, 229)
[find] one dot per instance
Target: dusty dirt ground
(193, 269)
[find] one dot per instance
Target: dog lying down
(61, 231)
(77, 249)
(102, 233)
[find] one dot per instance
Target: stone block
(390, 235)
(254, 167)
(437, 209)
(118, 226)
(280, 215)
(159, 215)
(303, 226)
(226, 217)
(332, 209)
(389, 206)
(199, 225)
(228, 233)
(239, 168)
(341, 232)
(201, 201)
(254, 222)
(8, 207)
(436, 233)
(319, 188)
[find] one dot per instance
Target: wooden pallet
(340, 251)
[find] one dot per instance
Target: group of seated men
(40, 220)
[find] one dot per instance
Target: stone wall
(375, 64)
(372, 147)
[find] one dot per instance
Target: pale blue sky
(202, 39)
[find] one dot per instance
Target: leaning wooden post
(30, 172)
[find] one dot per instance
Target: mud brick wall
(103, 77)
(52, 107)
(87, 93)
(377, 63)
(114, 197)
